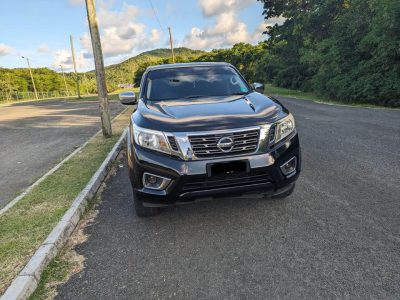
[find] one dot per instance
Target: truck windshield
(194, 82)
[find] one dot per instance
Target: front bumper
(190, 179)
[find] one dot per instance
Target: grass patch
(25, 226)
(93, 98)
(274, 90)
(67, 262)
(136, 90)
(58, 271)
(111, 96)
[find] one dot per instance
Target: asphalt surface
(35, 136)
(337, 236)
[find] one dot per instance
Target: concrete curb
(27, 280)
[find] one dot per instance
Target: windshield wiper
(195, 96)
(239, 94)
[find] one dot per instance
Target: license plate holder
(228, 168)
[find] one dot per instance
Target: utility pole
(65, 82)
(9, 94)
(33, 81)
(172, 47)
(99, 66)
(76, 73)
(85, 81)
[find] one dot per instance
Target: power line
(155, 15)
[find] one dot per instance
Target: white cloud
(121, 34)
(216, 7)
(197, 39)
(225, 22)
(5, 50)
(64, 58)
(273, 21)
(227, 28)
(77, 2)
(43, 49)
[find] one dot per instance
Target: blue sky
(40, 29)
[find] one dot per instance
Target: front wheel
(143, 211)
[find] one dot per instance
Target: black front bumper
(190, 179)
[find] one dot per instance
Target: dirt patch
(69, 262)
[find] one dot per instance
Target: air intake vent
(172, 143)
(272, 133)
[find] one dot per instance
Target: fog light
(155, 182)
(289, 168)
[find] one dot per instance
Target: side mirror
(128, 98)
(258, 87)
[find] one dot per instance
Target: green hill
(13, 81)
(123, 73)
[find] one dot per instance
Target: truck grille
(244, 142)
(204, 183)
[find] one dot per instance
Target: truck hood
(209, 113)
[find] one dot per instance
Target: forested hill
(125, 71)
(47, 80)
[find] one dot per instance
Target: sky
(40, 29)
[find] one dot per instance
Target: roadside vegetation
(346, 51)
(112, 96)
(272, 90)
(16, 84)
(26, 225)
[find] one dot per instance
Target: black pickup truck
(200, 130)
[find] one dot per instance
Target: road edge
(334, 103)
(50, 172)
(25, 283)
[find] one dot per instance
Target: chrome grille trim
(172, 143)
(186, 152)
(245, 141)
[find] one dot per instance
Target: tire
(285, 194)
(143, 211)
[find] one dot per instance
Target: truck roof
(185, 65)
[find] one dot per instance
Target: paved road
(337, 236)
(35, 136)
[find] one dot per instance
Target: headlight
(284, 127)
(151, 139)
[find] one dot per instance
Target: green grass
(25, 226)
(274, 90)
(93, 98)
(136, 90)
(57, 271)
(111, 96)
(67, 262)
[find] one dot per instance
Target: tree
(343, 49)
